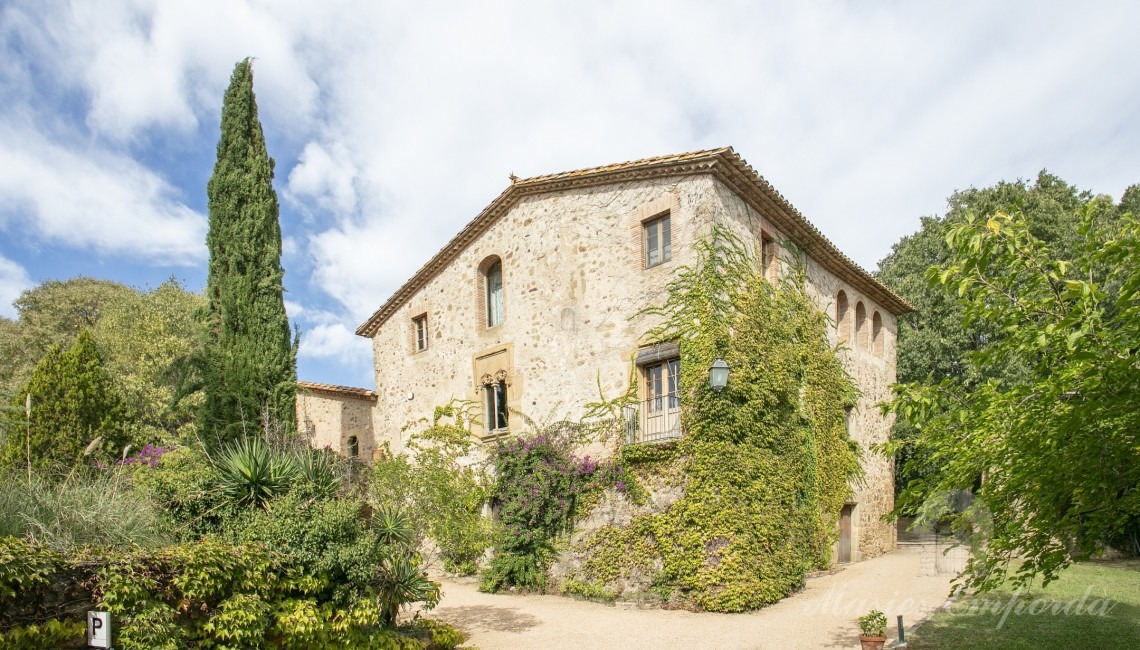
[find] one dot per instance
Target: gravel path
(821, 616)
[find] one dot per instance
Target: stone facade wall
(573, 282)
(330, 420)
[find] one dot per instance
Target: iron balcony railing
(653, 420)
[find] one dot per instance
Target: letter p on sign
(99, 629)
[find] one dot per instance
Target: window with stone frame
(353, 447)
(420, 331)
(495, 410)
(494, 388)
(493, 290)
(657, 240)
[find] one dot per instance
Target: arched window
(493, 291)
(353, 447)
(877, 334)
(860, 326)
(842, 318)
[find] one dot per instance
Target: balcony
(657, 419)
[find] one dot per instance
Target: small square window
(658, 241)
(420, 324)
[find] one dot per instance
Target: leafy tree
(74, 403)
(1053, 455)
(936, 340)
(141, 336)
(53, 313)
(249, 364)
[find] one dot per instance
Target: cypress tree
(74, 401)
(250, 355)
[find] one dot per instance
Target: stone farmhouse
(535, 301)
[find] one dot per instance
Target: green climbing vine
(765, 465)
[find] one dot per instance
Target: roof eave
(725, 164)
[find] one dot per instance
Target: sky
(393, 123)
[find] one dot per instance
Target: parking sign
(99, 629)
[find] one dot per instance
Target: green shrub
(318, 473)
(590, 590)
(76, 412)
(54, 633)
(437, 635)
(444, 496)
(526, 570)
(393, 527)
(202, 594)
(38, 593)
(183, 488)
(330, 539)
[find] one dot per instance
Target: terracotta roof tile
(622, 166)
(339, 391)
(724, 163)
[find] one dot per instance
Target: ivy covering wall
(764, 466)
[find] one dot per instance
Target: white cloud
(146, 64)
(325, 335)
(294, 310)
(324, 177)
(93, 199)
(402, 120)
(865, 118)
(13, 281)
(334, 341)
(360, 265)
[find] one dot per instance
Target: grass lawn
(1092, 605)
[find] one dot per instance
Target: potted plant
(874, 627)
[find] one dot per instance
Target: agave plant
(318, 470)
(393, 527)
(251, 473)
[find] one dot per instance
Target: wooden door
(845, 534)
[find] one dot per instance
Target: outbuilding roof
(724, 164)
(337, 391)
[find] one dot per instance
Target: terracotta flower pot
(872, 642)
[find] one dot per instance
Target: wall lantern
(718, 375)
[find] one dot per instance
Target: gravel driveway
(821, 616)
